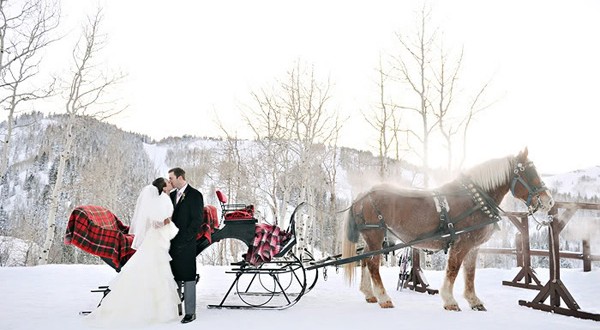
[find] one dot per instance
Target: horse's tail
(349, 245)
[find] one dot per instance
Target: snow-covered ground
(51, 297)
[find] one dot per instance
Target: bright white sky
(191, 61)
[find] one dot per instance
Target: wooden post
(555, 288)
(587, 255)
(416, 280)
(527, 274)
(519, 249)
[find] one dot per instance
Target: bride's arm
(165, 210)
(159, 224)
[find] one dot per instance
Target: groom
(187, 216)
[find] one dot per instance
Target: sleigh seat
(234, 211)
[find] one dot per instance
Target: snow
(51, 297)
(157, 155)
(17, 252)
(584, 182)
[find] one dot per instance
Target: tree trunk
(6, 146)
(56, 191)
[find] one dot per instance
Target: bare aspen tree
(330, 166)
(25, 31)
(293, 123)
(87, 94)
(452, 119)
(445, 87)
(267, 122)
(312, 126)
(384, 119)
(233, 173)
(412, 67)
(476, 106)
(430, 74)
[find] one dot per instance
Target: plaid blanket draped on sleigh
(268, 241)
(96, 230)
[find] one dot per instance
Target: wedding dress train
(144, 291)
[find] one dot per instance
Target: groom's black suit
(188, 217)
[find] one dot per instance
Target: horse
(457, 217)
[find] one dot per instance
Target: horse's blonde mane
(491, 174)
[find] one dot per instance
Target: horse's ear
(523, 154)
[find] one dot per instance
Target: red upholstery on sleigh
(222, 198)
(246, 214)
(234, 212)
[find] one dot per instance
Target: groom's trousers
(189, 296)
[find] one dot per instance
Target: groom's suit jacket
(188, 217)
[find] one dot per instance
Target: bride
(144, 291)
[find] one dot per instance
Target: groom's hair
(179, 172)
(159, 183)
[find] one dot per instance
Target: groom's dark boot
(189, 300)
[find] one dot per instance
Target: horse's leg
(456, 256)
(469, 266)
(365, 283)
(373, 264)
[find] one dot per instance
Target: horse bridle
(527, 169)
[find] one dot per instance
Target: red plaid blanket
(268, 241)
(96, 230)
(210, 223)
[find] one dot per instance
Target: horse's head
(527, 185)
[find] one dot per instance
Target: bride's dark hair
(159, 183)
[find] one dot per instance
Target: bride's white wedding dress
(144, 291)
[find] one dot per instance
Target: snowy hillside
(108, 167)
(579, 184)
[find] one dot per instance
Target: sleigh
(268, 276)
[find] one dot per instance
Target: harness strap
(380, 225)
(482, 202)
(446, 226)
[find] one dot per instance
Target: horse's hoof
(479, 308)
(387, 304)
(371, 300)
(452, 308)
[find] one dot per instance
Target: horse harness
(380, 225)
(481, 200)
